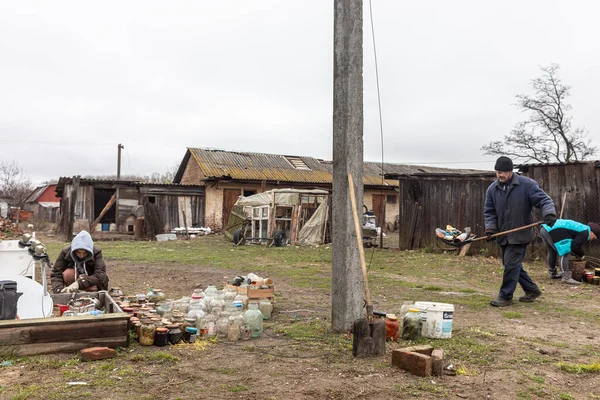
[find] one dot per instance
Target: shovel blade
(368, 339)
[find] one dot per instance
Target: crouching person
(566, 236)
(79, 267)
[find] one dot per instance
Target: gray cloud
(78, 78)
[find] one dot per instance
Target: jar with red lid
(392, 327)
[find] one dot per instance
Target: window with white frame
(260, 222)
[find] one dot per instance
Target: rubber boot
(568, 280)
(553, 274)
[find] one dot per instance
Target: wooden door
(379, 208)
(230, 196)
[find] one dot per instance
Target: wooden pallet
(66, 334)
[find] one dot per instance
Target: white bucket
(437, 319)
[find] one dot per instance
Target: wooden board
(66, 334)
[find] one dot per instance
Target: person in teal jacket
(566, 236)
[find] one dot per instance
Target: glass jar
(140, 298)
(155, 295)
(174, 335)
(243, 298)
(116, 293)
(229, 294)
(236, 320)
(198, 292)
(245, 332)
(392, 327)
(210, 291)
(211, 326)
(253, 318)
(164, 309)
(223, 325)
(147, 332)
(188, 322)
(202, 326)
(161, 336)
(189, 335)
(177, 317)
(412, 325)
(217, 303)
(266, 308)
(196, 314)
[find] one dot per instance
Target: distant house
(43, 203)
(226, 175)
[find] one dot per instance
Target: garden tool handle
(361, 250)
(509, 231)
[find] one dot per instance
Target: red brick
(415, 363)
(437, 362)
(423, 349)
(96, 353)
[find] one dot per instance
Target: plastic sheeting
(312, 231)
(279, 197)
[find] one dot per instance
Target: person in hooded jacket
(509, 202)
(79, 266)
(566, 236)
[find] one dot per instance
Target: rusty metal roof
(230, 165)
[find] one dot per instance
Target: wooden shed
(164, 206)
(574, 187)
(429, 201)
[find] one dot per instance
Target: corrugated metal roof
(220, 164)
(91, 181)
(37, 192)
(595, 162)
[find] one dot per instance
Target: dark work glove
(489, 233)
(550, 219)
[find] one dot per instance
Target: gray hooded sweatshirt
(90, 271)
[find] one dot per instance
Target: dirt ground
(526, 351)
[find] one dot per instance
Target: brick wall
(192, 174)
(391, 210)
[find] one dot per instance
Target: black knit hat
(595, 228)
(503, 164)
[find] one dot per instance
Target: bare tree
(546, 135)
(15, 184)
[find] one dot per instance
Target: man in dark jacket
(79, 266)
(509, 202)
(564, 237)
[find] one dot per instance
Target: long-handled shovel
(495, 235)
(368, 334)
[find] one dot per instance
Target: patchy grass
(579, 368)
(159, 357)
(512, 314)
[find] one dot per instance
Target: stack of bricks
(419, 360)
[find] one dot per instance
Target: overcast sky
(79, 77)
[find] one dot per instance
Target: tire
(279, 238)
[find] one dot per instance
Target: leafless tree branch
(546, 135)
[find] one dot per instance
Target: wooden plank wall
(430, 203)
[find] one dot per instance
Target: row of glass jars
(230, 323)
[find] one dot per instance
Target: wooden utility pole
(347, 283)
(119, 147)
